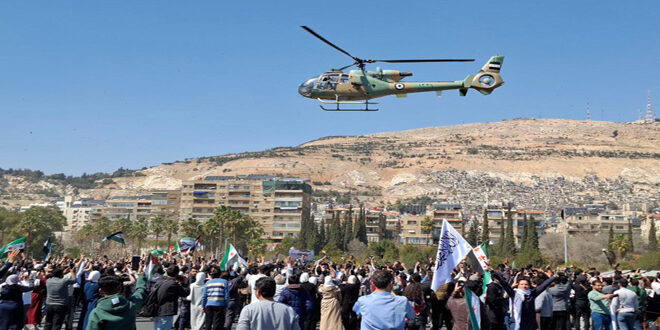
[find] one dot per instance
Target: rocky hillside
(540, 162)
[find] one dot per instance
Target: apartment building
(376, 224)
(163, 203)
(411, 230)
(279, 204)
(392, 225)
(498, 215)
(80, 212)
(586, 220)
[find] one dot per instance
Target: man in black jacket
(168, 293)
(582, 310)
(496, 304)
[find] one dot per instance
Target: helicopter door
(328, 81)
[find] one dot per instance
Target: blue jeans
(626, 321)
(601, 321)
(165, 322)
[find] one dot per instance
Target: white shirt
(251, 282)
(625, 302)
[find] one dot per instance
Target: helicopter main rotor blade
(328, 42)
(347, 66)
(426, 60)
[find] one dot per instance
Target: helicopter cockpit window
(344, 78)
(328, 81)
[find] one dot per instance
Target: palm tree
(139, 231)
(427, 226)
(171, 227)
(157, 226)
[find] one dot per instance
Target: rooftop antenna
(649, 112)
(588, 112)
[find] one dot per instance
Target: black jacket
(168, 294)
(496, 303)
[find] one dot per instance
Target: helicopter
(358, 87)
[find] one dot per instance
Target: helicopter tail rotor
(487, 79)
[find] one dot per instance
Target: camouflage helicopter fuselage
(365, 85)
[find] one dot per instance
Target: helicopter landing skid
(338, 103)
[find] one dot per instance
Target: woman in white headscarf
(330, 305)
(11, 303)
(195, 297)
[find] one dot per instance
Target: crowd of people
(193, 292)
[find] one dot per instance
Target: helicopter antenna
(361, 62)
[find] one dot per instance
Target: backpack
(150, 307)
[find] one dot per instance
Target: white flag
(452, 248)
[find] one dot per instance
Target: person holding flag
(452, 249)
(231, 256)
(18, 244)
(48, 249)
(523, 299)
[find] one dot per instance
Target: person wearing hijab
(195, 297)
(37, 299)
(92, 295)
(330, 305)
(11, 303)
(350, 292)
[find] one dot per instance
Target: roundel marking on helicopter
(399, 86)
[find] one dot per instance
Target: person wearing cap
(92, 295)
(381, 309)
(113, 310)
(330, 305)
(11, 303)
(280, 285)
(625, 303)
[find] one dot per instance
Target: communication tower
(649, 112)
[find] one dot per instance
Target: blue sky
(91, 86)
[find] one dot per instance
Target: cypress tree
(533, 237)
(473, 233)
(361, 227)
(610, 239)
(510, 240)
(348, 231)
(484, 227)
(525, 235)
(653, 238)
(323, 238)
(335, 234)
(630, 237)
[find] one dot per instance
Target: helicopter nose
(304, 91)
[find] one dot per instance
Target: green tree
(122, 225)
(190, 227)
(653, 238)
(37, 224)
(621, 245)
(532, 235)
(525, 235)
(630, 237)
(383, 248)
(473, 233)
(361, 227)
(348, 231)
(157, 227)
(323, 238)
(139, 231)
(103, 227)
(484, 228)
(212, 229)
(170, 227)
(427, 227)
(8, 221)
(610, 239)
(335, 232)
(509, 244)
(285, 245)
